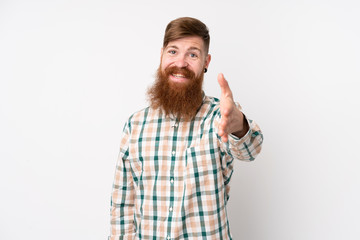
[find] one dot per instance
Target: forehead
(187, 42)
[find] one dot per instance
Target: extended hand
(232, 119)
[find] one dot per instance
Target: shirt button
(172, 180)
(171, 208)
(168, 237)
(173, 153)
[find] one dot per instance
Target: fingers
(223, 131)
(224, 136)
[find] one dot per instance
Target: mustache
(183, 71)
(180, 100)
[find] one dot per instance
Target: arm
(240, 137)
(123, 195)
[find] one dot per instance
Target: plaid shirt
(172, 177)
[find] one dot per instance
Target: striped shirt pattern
(172, 177)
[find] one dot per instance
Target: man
(176, 156)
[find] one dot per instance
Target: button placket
(175, 128)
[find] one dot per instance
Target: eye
(172, 52)
(193, 55)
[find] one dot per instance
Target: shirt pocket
(203, 168)
(204, 181)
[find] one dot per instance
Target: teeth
(178, 75)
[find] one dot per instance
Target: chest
(167, 148)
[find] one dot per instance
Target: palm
(231, 117)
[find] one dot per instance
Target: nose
(181, 61)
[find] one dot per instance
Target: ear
(207, 60)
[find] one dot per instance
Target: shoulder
(209, 109)
(211, 103)
(138, 115)
(211, 100)
(136, 118)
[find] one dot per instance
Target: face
(187, 52)
(178, 86)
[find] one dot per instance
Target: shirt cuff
(236, 141)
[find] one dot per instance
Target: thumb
(224, 85)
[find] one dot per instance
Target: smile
(178, 75)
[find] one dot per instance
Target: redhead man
(176, 156)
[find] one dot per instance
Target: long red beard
(179, 99)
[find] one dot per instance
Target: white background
(71, 72)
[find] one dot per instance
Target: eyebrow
(172, 46)
(195, 48)
(191, 48)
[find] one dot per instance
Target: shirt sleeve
(247, 147)
(122, 197)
